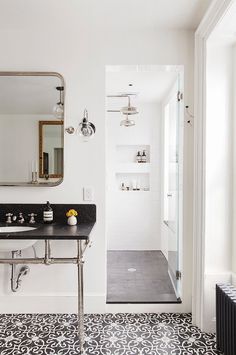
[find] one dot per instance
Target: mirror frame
(41, 125)
(38, 73)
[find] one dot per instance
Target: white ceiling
(102, 14)
(151, 83)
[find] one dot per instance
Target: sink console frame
(88, 213)
(49, 260)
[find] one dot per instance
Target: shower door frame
(178, 92)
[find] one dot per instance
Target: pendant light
(58, 109)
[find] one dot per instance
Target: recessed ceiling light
(131, 270)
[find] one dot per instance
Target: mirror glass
(31, 129)
(50, 149)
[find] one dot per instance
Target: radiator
(226, 318)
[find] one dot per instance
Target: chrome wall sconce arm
(70, 130)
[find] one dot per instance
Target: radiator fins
(226, 318)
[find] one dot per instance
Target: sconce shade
(86, 128)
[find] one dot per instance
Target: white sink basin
(7, 245)
(14, 229)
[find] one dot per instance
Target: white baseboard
(94, 303)
(68, 304)
(210, 281)
(147, 308)
(233, 280)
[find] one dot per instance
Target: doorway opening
(144, 183)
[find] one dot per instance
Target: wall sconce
(85, 129)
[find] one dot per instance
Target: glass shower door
(171, 190)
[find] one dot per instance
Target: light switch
(88, 193)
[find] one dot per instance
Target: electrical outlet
(88, 193)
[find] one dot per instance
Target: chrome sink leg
(80, 297)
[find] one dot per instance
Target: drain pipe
(16, 280)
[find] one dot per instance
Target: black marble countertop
(59, 230)
(54, 231)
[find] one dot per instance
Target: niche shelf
(126, 154)
(132, 179)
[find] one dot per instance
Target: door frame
(214, 15)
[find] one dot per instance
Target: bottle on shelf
(144, 157)
(138, 157)
(123, 188)
(138, 188)
(48, 213)
(134, 185)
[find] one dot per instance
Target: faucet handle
(20, 218)
(32, 219)
(9, 215)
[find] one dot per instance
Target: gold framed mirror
(50, 149)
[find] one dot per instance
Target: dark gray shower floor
(138, 276)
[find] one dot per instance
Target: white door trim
(214, 15)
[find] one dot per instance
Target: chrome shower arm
(128, 101)
(119, 95)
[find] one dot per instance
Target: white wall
(218, 218)
(133, 217)
(52, 40)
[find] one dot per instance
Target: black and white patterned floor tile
(105, 334)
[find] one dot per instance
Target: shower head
(129, 110)
(127, 122)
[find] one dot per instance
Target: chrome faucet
(9, 215)
(20, 218)
(32, 219)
